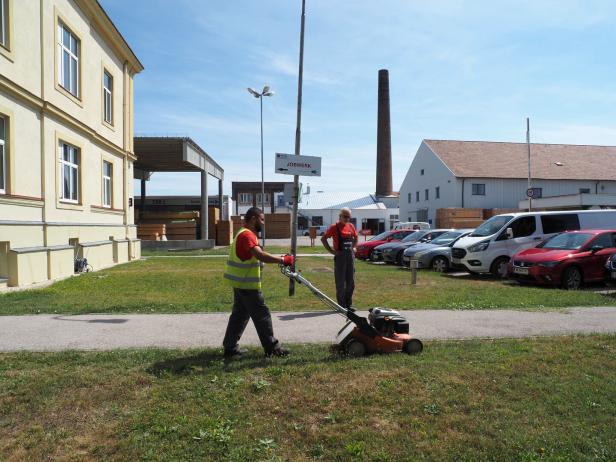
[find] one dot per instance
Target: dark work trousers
(344, 272)
(249, 304)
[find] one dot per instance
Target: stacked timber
(151, 232)
(181, 230)
(224, 232)
(277, 225)
(458, 218)
(213, 217)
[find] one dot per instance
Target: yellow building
(66, 140)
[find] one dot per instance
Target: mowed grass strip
(180, 285)
(543, 399)
(276, 250)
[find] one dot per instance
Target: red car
(364, 250)
(567, 260)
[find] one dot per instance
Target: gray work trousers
(249, 304)
(344, 272)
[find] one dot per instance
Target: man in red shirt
(243, 273)
(344, 236)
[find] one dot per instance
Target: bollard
(414, 264)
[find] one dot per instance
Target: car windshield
(414, 237)
(566, 241)
(491, 226)
(380, 237)
(446, 238)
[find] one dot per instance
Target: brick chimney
(383, 139)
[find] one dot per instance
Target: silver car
(436, 254)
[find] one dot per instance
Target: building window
(69, 160)
(416, 196)
(317, 221)
(422, 171)
(437, 191)
(245, 198)
(427, 194)
(584, 190)
(409, 198)
(479, 189)
(108, 97)
(107, 184)
(4, 23)
(267, 199)
(68, 60)
(3, 166)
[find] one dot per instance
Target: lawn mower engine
(388, 322)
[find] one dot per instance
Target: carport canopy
(176, 154)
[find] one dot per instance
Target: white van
(411, 225)
(489, 248)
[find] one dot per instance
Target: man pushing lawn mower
(243, 273)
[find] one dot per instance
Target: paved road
(110, 331)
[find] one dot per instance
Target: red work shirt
(244, 244)
(346, 231)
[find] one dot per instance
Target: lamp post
(265, 92)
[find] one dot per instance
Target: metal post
(204, 205)
(262, 183)
(143, 180)
(220, 201)
(530, 199)
(297, 145)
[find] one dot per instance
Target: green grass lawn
(276, 250)
(177, 285)
(549, 399)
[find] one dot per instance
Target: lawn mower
(385, 331)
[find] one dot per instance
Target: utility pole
(297, 147)
(530, 199)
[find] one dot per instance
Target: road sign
(533, 193)
(290, 164)
(530, 192)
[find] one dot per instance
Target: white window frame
(245, 198)
(73, 56)
(4, 23)
(73, 166)
(108, 98)
(107, 185)
(3, 162)
(267, 199)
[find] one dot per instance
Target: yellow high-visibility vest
(242, 274)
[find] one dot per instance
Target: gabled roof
(486, 159)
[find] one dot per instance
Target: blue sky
(470, 70)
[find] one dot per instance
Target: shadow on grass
(207, 362)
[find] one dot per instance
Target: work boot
(233, 354)
(279, 351)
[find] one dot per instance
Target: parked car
(567, 260)
(392, 252)
(412, 225)
(320, 230)
(489, 248)
(437, 253)
(364, 249)
(610, 270)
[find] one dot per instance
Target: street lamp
(265, 92)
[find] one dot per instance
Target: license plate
(517, 270)
(613, 274)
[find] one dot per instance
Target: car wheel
(370, 255)
(572, 278)
(440, 264)
(499, 267)
(399, 258)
